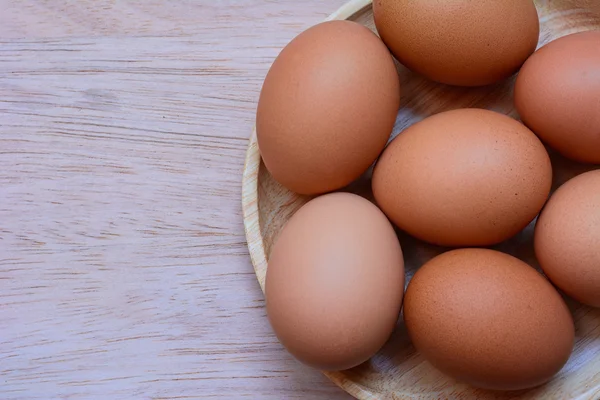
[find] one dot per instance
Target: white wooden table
(124, 272)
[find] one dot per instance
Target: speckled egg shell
(463, 178)
(567, 238)
(488, 319)
(459, 42)
(557, 94)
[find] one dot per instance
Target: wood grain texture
(124, 271)
(398, 371)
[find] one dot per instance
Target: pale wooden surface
(124, 272)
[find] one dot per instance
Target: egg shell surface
(459, 42)
(463, 178)
(335, 282)
(327, 107)
(557, 95)
(488, 319)
(567, 238)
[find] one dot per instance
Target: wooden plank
(124, 271)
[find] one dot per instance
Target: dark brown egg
(557, 94)
(567, 238)
(488, 319)
(463, 178)
(459, 42)
(335, 282)
(327, 107)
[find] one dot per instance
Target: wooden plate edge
(250, 209)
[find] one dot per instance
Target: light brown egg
(567, 238)
(327, 107)
(335, 282)
(459, 42)
(488, 319)
(557, 94)
(463, 178)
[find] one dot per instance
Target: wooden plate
(398, 371)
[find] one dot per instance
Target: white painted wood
(124, 271)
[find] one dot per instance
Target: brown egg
(327, 107)
(335, 282)
(463, 178)
(557, 94)
(567, 238)
(459, 42)
(488, 319)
